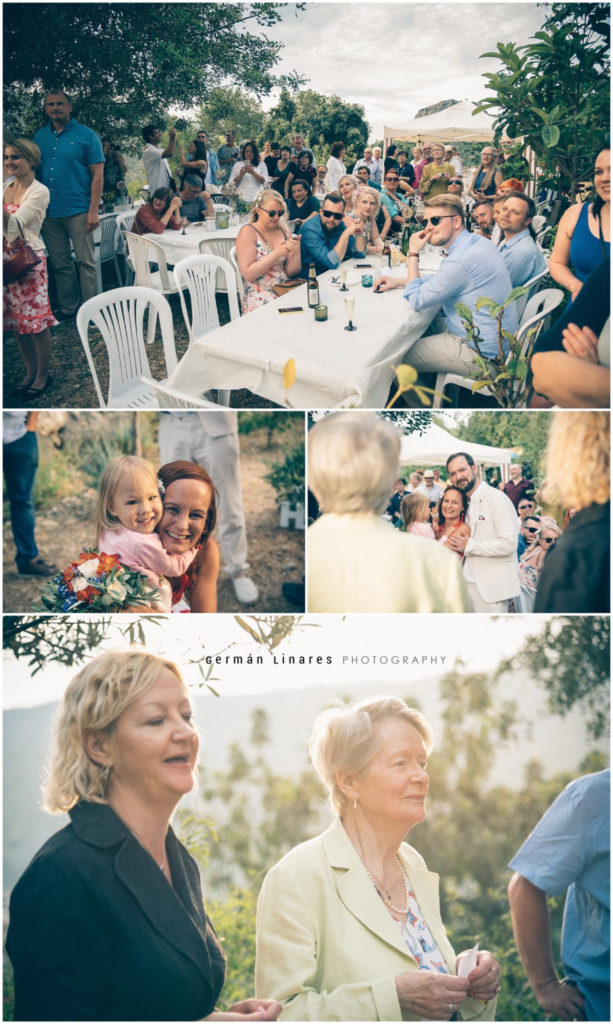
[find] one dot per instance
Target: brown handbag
(23, 259)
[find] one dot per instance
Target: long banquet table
(334, 367)
(177, 245)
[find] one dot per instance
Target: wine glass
(184, 223)
(349, 301)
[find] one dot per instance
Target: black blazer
(97, 933)
(576, 574)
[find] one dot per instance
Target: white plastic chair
(123, 223)
(522, 302)
(538, 221)
(240, 280)
(171, 398)
(221, 208)
(105, 250)
(144, 252)
(217, 246)
(119, 315)
(198, 274)
(537, 308)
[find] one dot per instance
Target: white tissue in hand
(467, 961)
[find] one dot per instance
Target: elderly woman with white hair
(107, 922)
(357, 562)
(348, 924)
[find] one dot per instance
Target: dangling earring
(105, 774)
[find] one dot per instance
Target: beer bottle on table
(387, 253)
(312, 288)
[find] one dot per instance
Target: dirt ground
(276, 555)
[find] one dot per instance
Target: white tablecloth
(177, 245)
(334, 367)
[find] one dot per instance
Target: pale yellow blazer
(327, 947)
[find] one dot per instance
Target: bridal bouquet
(96, 582)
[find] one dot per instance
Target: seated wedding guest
(249, 173)
(570, 363)
(348, 923)
(266, 253)
(522, 256)
(415, 510)
(353, 461)
(549, 534)
(195, 204)
(406, 172)
(335, 166)
(366, 206)
(530, 563)
(483, 216)
(368, 162)
(197, 164)
(487, 177)
(347, 185)
(455, 187)
(576, 574)
(161, 212)
(362, 175)
(510, 185)
(301, 204)
(583, 238)
(319, 185)
(26, 300)
(306, 171)
(107, 922)
(393, 201)
(451, 516)
(330, 237)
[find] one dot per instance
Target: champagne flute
(184, 223)
(344, 272)
(349, 301)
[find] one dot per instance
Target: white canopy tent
(435, 445)
(453, 124)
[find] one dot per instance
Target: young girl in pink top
(415, 510)
(128, 510)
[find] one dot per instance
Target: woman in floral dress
(266, 253)
(26, 301)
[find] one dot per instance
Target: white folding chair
(171, 398)
(217, 246)
(119, 315)
(143, 252)
(221, 208)
(198, 275)
(105, 250)
(537, 308)
(240, 280)
(123, 223)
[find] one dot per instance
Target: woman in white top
(26, 301)
(335, 165)
(249, 173)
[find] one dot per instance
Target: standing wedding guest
(249, 174)
(451, 517)
(348, 924)
(72, 168)
(26, 300)
(227, 155)
(357, 561)
(19, 465)
(335, 166)
(115, 168)
(576, 574)
(487, 177)
(155, 158)
(107, 922)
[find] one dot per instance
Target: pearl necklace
(387, 897)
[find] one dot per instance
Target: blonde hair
(268, 193)
(27, 149)
(489, 175)
(353, 462)
(95, 699)
(344, 738)
(112, 474)
(411, 507)
(365, 190)
(446, 200)
(577, 460)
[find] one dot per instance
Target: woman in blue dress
(583, 239)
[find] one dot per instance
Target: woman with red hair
(190, 512)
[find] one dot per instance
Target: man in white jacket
(490, 553)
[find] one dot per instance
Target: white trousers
(182, 436)
(479, 605)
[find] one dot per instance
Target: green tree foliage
(554, 91)
(126, 64)
(571, 658)
(527, 434)
(40, 639)
(228, 108)
(322, 119)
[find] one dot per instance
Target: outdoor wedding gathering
(139, 511)
(487, 742)
(408, 515)
(197, 214)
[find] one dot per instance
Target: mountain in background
(558, 743)
(434, 109)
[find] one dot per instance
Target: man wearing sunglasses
(473, 268)
(328, 239)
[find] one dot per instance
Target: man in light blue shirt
(72, 165)
(568, 849)
(472, 268)
(519, 250)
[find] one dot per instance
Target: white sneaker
(245, 589)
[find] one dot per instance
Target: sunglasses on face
(548, 540)
(435, 221)
(271, 213)
(392, 179)
(531, 529)
(331, 213)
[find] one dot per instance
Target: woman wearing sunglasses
(393, 201)
(531, 562)
(266, 253)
